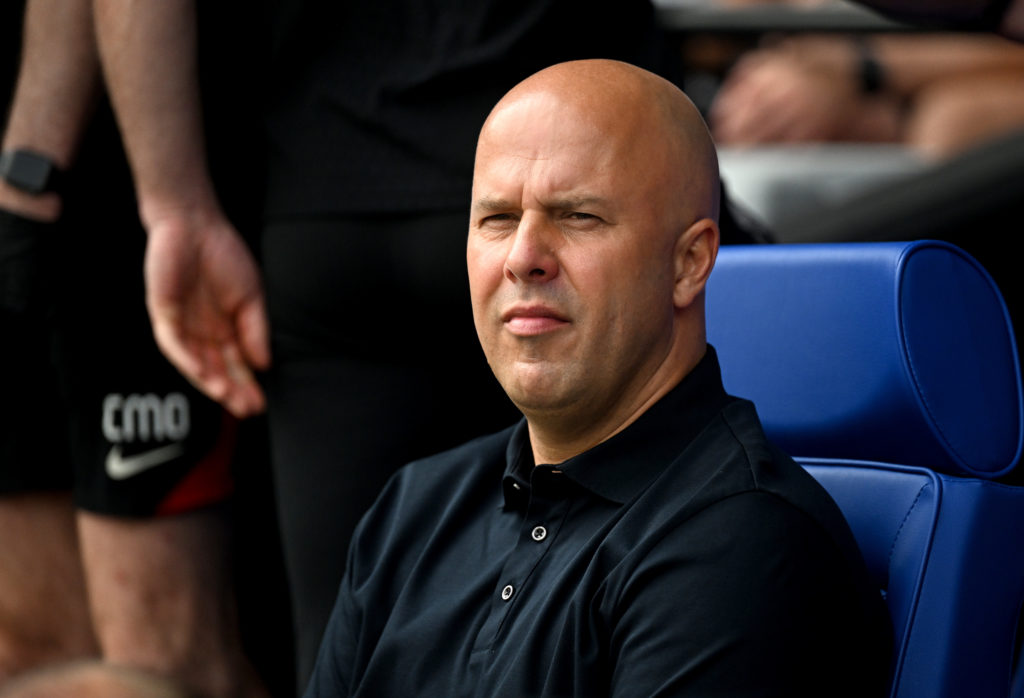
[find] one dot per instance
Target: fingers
(227, 378)
(241, 393)
(173, 344)
(234, 362)
(254, 333)
(217, 368)
(780, 101)
(750, 108)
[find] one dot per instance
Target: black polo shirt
(684, 556)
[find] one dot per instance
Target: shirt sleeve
(330, 677)
(336, 660)
(336, 673)
(750, 597)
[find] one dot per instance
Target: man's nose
(532, 257)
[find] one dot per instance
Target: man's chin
(547, 403)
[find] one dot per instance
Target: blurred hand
(772, 96)
(205, 302)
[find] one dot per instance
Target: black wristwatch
(29, 171)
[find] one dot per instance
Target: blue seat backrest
(889, 370)
(897, 352)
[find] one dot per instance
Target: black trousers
(375, 363)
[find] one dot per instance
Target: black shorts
(89, 403)
(130, 437)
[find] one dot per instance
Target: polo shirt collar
(621, 467)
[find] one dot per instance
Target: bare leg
(91, 679)
(162, 600)
(44, 614)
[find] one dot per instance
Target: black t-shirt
(685, 556)
(376, 106)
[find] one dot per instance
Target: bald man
(635, 534)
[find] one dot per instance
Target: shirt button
(507, 592)
(539, 533)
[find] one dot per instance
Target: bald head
(647, 115)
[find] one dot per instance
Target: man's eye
(582, 218)
(497, 223)
(498, 220)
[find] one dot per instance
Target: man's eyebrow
(571, 203)
(567, 203)
(488, 204)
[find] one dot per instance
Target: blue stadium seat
(890, 371)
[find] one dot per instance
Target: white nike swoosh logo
(121, 467)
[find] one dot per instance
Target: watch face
(26, 170)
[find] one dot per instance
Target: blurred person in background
(115, 473)
(939, 94)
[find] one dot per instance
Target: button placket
(532, 545)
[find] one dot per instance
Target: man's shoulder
(758, 464)
(734, 460)
(465, 461)
(445, 476)
(760, 468)
(419, 495)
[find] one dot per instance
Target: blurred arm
(809, 88)
(910, 62)
(57, 85)
(203, 289)
(150, 63)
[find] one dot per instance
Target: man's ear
(695, 254)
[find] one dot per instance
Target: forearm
(203, 287)
(58, 81)
(148, 54)
(908, 63)
(913, 63)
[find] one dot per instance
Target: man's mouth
(529, 320)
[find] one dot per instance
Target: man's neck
(555, 440)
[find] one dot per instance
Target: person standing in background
(116, 474)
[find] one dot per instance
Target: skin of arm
(203, 287)
(54, 97)
(807, 88)
(913, 63)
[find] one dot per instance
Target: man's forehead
(569, 170)
(563, 174)
(538, 128)
(560, 145)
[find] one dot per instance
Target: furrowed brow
(491, 205)
(572, 203)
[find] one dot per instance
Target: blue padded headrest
(894, 352)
